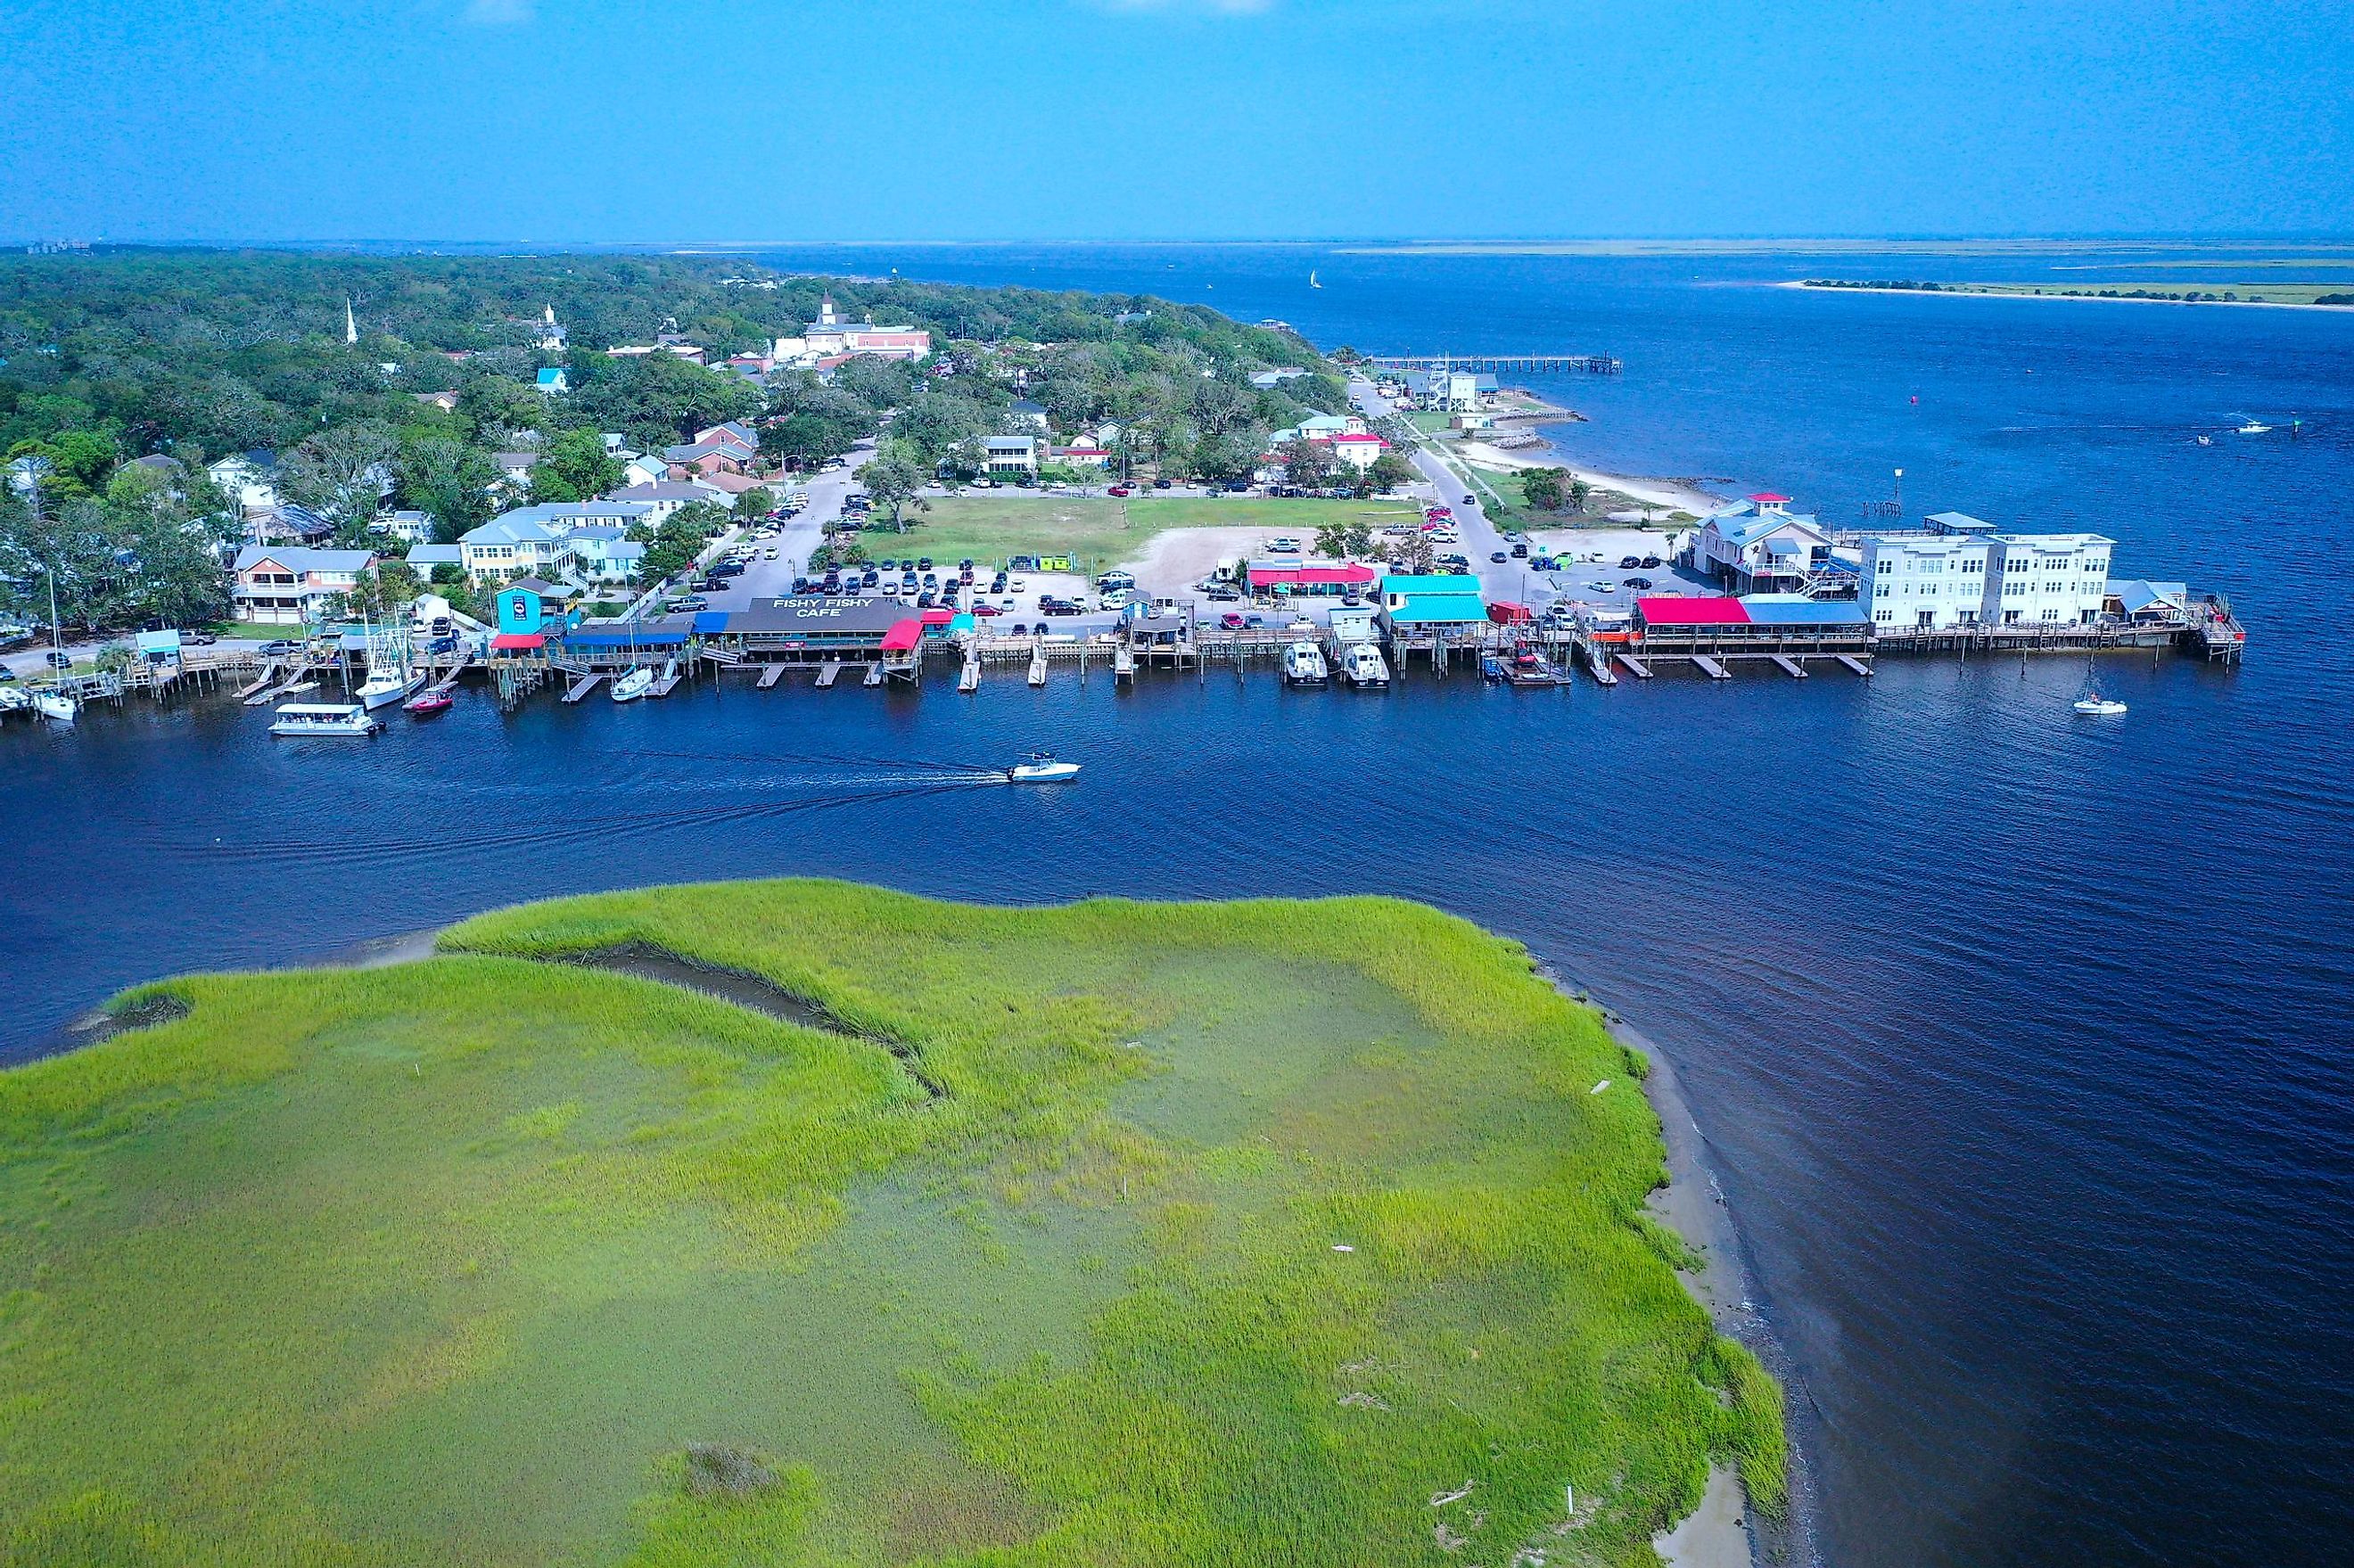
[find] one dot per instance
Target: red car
(987, 609)
(1119, 490)
(1230, 622)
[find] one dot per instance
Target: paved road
(1511, 581)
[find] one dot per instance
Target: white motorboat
(323, 719)
(1042, 768)
(1303, 666)
(13, 699)
(633, 686)
(1362, 666)
(2099, 706)
(392, 686)
(2255, 428)
(56, 705)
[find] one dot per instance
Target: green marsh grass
(459, 1262)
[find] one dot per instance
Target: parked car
(58, 659)
(987, 609)
(1497, 557)
(1118, 489)
(689, 604)
(1230, 622)
(924, 565)
(198, 638)
(1639, 583)
(1224, 596)
(1650, 563)
(279, 648)
(1629, 562)
(1601, 587)
(1019, 629)
(1520, 551)
(1253, 622)
(1160, 485)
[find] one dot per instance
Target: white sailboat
(633, 686)
(1312, 279)
(52, 704)
(56, 705)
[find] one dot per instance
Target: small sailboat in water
(1312, 279)
(634, 684)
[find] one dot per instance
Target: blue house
(530, 607)
(554, 382)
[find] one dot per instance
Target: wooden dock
(1038, 666)
(772, 675)
(1598, 663)
(665, 684)
(827, 672)
(874, 675)
(970, 678)
(1635, 666)
(1790, 666)
(1855, 665)
(1711, 668)
(581, 688)
(1587, 363)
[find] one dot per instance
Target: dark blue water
(2019, 1040)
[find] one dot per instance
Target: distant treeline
(1926, 286)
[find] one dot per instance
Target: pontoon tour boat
(323, 719)
(1042, 768)
(1303, 666)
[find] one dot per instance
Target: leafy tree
(893, 479)
(79, 462)
(449, 481)
(679, 538)
(1579, 493)
(1351, 538)
(575, 466)
(1308, 463)
(807, 440)
(1391, 471)
(1541, 487)
(341, 474)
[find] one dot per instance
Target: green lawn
(1101, 531)
(1161, 1235)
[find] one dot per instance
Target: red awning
(903, 637)
(516, 642)
(939, 617)
(1318, 577)
(1672, 610)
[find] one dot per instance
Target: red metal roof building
(1678, 610)
(1323, 581)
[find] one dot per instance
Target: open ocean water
(2019, 1040)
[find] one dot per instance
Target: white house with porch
(1759, 545)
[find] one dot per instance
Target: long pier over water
(1587, 363)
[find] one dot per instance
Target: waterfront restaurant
(812, 627)
(1765, 623)
(1433, 615)
(1316, 581)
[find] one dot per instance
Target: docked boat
(15, 700)
(56, 705)
(2099, 706)
(323, 719)
(425, 704)
(1042, 768)
(629, 688)
(1362, 666)
(1303, 666)
(391, 686)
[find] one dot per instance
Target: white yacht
(392, 685)
(56, 705)
(1362, 666)
(629, 688)
(2099, 706)
(1303, 666)
(323, 719)
(1042, 768)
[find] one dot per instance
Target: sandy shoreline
(1956, 292)
(1673, 494)
(1723, 1532)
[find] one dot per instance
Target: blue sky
(573, 121)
